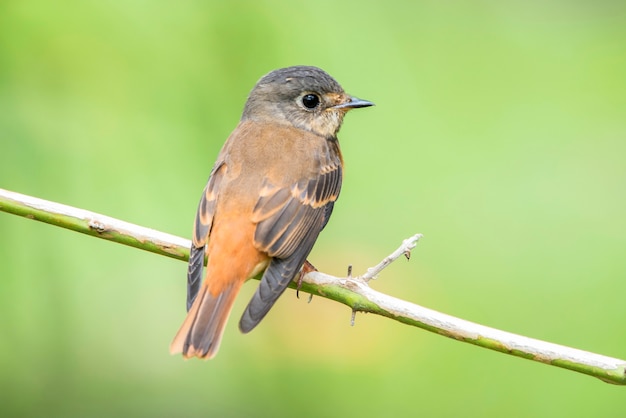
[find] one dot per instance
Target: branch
(353, 292)
(94, 224)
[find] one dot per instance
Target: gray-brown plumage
(270, 193)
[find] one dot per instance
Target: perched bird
(270, 193)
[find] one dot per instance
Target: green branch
(353, 292)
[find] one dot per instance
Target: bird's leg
(306, 268)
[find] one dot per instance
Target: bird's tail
(201, 333)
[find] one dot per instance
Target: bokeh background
(499, 133)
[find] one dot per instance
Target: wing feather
(289, 220)
(202, 230)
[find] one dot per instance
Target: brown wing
(289, 220)
(201, 231)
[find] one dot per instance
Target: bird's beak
(353, 103)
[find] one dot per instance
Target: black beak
(354, 103)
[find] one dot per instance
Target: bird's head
(304, 97)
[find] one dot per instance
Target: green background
(499, 133)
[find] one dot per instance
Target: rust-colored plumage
(270, 193)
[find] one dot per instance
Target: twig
(354, 293)
(404, 249)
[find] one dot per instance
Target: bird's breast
(280, 154)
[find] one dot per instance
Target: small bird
(269, 195)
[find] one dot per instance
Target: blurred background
(499, 133)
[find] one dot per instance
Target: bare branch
(404, 249)
(353, 292)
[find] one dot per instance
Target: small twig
(354, 293)
(404, 249)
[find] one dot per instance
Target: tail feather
(201, 332)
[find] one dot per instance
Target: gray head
(305, 97)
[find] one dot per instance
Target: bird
(270, 193)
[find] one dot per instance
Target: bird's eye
(310, 101)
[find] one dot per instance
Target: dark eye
(310, 101)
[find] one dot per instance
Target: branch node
(97, 226)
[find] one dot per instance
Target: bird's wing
(201, 231)
(289, 219)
